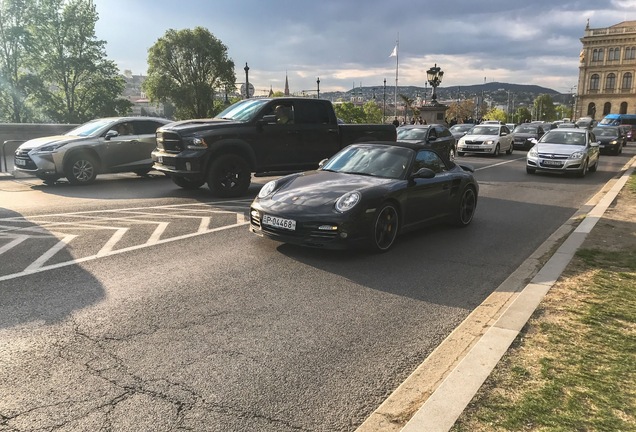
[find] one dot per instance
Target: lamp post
(434, 76)
(318, 87)
(384, 103)
(247, 81)
(573, 103)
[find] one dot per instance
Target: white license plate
(20, 162)
(277, 222)
(472, 147)
(552, 162)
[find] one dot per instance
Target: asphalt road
(133, 305)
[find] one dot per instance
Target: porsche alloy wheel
(466, 208)
(385, 228)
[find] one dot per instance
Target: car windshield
(412, 133)
(485, 130)
(377, 161)
(91, 128)
(461, 128)
(526, 129)
(605, 131)
(563, 137)
(242, 111)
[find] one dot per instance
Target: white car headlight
(533, 152)
(49, 148)
(577, 155)
(489, 142)
(267, 189)
(347, 201)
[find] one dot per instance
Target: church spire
(286, 85)
(271, 91)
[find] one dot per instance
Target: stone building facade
(607, 71)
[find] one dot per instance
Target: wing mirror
(322, 163)
(111, 134)
(269, 119)
(426, 173)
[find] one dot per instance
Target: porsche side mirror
(322, 162)
(426, 173)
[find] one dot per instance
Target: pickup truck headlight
(347, 201)
(196, 144)
(267, 189)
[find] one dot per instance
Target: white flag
(394, 52)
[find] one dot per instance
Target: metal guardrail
(3, 160)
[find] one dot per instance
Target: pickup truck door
(320, 133)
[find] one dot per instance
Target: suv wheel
(81, 169)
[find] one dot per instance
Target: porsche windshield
(380, 161)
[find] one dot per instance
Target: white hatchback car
(486, 138)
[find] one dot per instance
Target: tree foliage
(544, 108)
(15, 46)
(185, 67)
(496, 114)
(52, 67)
(461, 110)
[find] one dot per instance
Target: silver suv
(106, 145)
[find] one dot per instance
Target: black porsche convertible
(365, 195)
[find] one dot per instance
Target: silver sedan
(486, 138)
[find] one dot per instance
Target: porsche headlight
(577, 155)
(196, 144)
(267, 189)
(347, 201)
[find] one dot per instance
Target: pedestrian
(396, 122)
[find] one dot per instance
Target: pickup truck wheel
(229, 176)
(81, 169)
(186, 183)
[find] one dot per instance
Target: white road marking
(38, 263)
(156, 235)
(110, 244)
(16, 241)
(500, 163)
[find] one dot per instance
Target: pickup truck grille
(169, 142)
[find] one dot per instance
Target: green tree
(184, 68)
(496, 114)
(408, 105)
(372, 112)
(15, 45)
(544, 108)
(78, 82)
(349, 113)
(461, 110)
(522, 115)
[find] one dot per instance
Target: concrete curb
(442, 409)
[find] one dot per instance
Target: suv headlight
(49, 148)
(347, 201)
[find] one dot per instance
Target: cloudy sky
(347, 43)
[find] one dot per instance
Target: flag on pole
(394, 52)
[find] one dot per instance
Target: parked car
(611, 139)
(565, 150)
(512, 126)
(365, 195)
(567, 125)
(459, 130)
(524, 133)
(105, 145)
(628, 131)
(435, 136)
(486, 138)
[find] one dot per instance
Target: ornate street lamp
(434, 76)
(247, 81)
(384, 102)
(318, 86)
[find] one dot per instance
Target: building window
(598, 54)
(607, 108)
(591, 109)
(594, 81)
(614, 54)
(610, 81)
(630, 53)
(627, 81)
(623, 108)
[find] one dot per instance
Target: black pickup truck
(273, 135)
